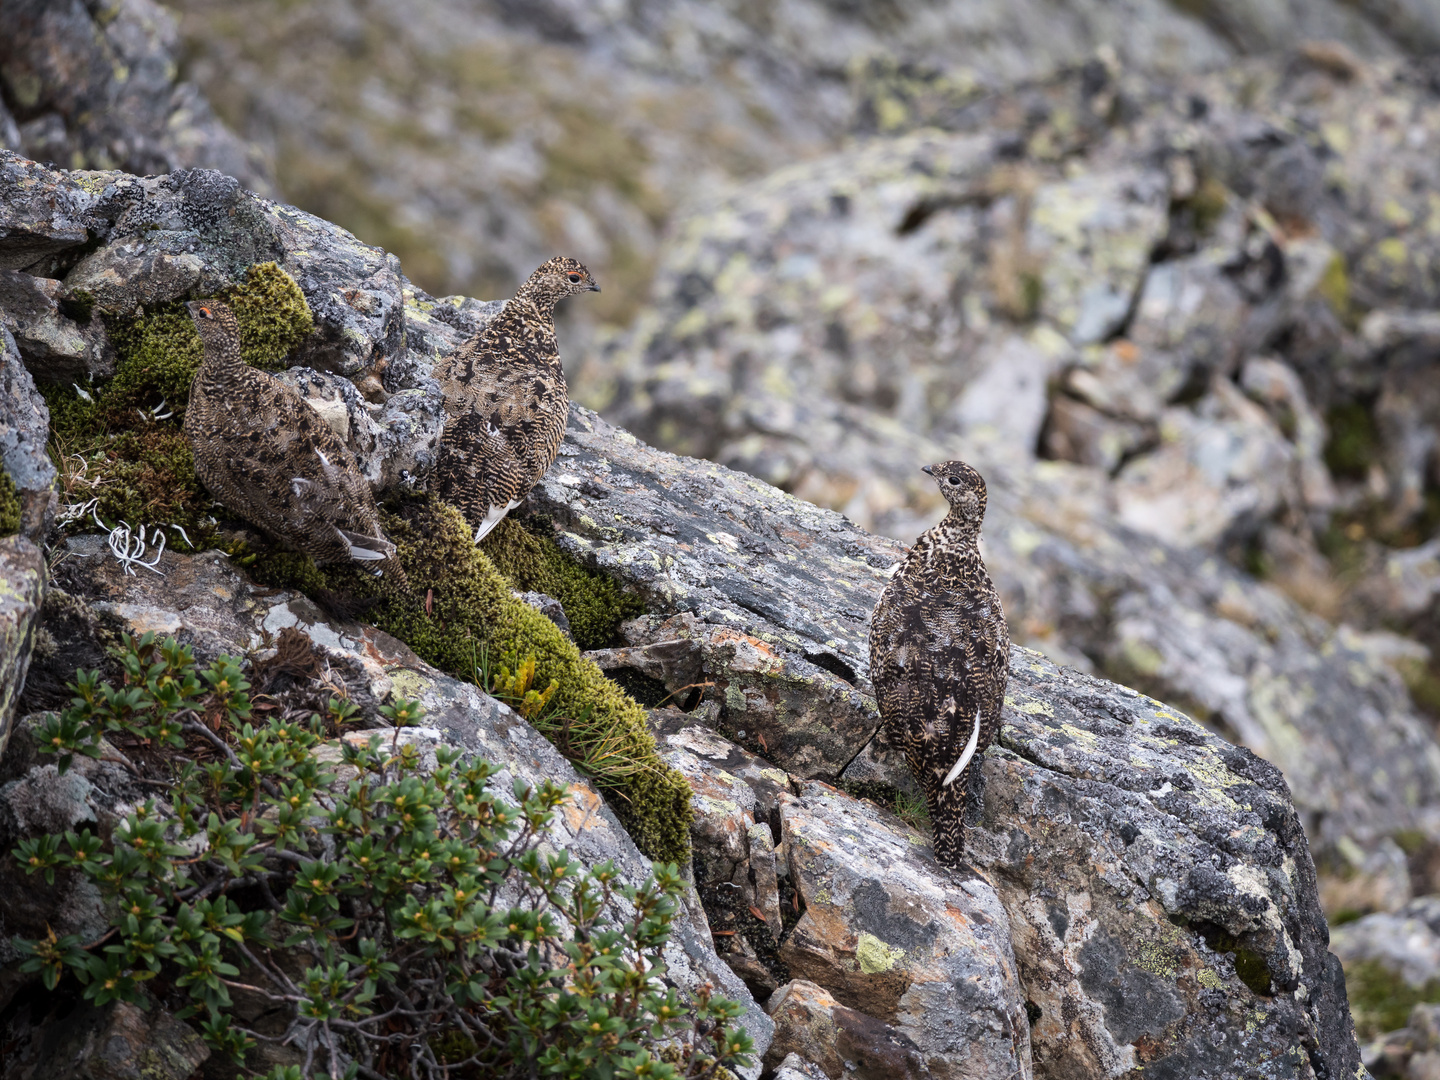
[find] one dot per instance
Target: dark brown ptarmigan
(940, 657)
(265, 453)
(506, 402)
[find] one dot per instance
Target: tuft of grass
(459, 610)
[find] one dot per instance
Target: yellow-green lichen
(594, 604)
(874, 956)
(9, 505)
(459, 608)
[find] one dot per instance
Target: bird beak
(594, 286)
(927, 471)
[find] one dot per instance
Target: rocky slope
(1142, 892)
(475, 139)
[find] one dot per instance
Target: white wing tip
(967, 755)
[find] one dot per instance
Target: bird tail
(968, 753)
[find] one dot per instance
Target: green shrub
(380, 886)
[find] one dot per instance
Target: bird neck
(220, 360)
(532, 296)
(953, 540)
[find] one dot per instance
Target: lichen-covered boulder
(918, 959)
(1157, 879)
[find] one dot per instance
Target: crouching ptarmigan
(270, 458)
(506, 403)
(940, 657)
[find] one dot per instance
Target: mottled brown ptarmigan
(940, 657)
(269, 457)
(506, 403)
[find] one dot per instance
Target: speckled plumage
(265, 453)
(506, 402)
(940, 655)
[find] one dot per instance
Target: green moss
(160, 351)
(1354, 441)
(459, 609)
(273, 316)
(9, 505)
(593, 602)
(1380, 1000)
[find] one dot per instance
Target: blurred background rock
(1166, 271)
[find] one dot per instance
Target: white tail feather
(493, 518)
(967, 755)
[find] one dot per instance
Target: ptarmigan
(506, 403)
(940, 656)
(269, 457)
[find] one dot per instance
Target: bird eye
(954, 480)
(574, 279)
(205, 311)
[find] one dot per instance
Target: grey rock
(918, 960)
(41, 212)
(1186, 319)
(551, 608)
(24, 433)
(794, 1067)
(9, 130)
(1094, 236)
(900, 939)
(194, 232)
(22, 592)
(1405, 942)
(63, 348)
(1221, 470)
(800, 712)
(118, 1041)
(97, 89)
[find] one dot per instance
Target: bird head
(559, 278)
(213, 319)
(963, 488)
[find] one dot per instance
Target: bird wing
(934, 675)
(504, 429)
